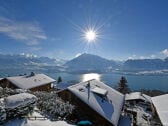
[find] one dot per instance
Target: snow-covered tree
(51, 104)
(4, 92)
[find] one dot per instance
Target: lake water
(135, 82)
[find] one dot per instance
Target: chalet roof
(28, 82)
(161, 105)
(137, 96)
(101, 98)
(19, 100)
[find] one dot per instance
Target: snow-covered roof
(161, 105)
(137, 95)
(28, 82)
(19, 100)
(147, 97)
(90, 93)
(99, 91)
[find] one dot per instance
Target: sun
(90, 35)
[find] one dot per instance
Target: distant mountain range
(29, 60)
(90, 63)
(82, 64)
(145, 64)
(12, 64)
(94, 63)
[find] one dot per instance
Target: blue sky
(53, 28)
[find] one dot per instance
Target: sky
(125, 29)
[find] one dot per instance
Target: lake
(135, 82)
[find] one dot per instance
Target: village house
(160, 108)
(95, 101)
(138, 107)
(33, 82)
(135, 98)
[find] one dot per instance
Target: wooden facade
(83, 110)
(45, 87)
(5, 83)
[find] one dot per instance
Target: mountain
(16, 64)
(20, 64)
(145, 64)
(90, 63)
(52, 61)
(15, 60)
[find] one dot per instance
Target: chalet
(137, 98)
(33, 82)
(95, 101)
(160, 108)
(138, 105)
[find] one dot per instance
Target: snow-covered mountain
(16, 60)
(14, 64)
(94, 63)
(90, 63)
(145, 64)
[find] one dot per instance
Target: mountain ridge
(90, 63)
(82, 64)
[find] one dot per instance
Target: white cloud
(142, 57)
(153, 56)
(78, 54)
(28, 55)
(165, 52)
(132, 57)
(28, 32)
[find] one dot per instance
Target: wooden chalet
(95, 101)
(33, 82)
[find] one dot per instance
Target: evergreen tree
(122, 86)
(59, 80)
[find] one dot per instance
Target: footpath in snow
(36, 122)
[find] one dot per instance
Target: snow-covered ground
(36, 122)
(25, 122)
